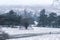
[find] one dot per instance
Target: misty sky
(26, 2)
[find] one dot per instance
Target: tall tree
(14, 18)
(58, 21)
(52, 19)
(42, 18)
(27, 19)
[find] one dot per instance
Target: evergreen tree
(58, 21)
(10, 18)
(42, 18)
(52, 19)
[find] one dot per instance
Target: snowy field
(13, 31)
(35, 30)
(44, 37)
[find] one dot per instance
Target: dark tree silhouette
(10, 18)
(52, 19)
(42, 18)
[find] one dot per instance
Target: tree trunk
(26, 27)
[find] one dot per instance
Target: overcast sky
(26, 2)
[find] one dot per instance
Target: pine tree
(42, 18)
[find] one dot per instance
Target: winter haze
(29, 19)
(49, 5)
(26, 2)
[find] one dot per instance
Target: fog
(26, 2)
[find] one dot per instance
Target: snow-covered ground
(35, 30)
(44, 37)
(13, 31)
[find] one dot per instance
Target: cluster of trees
(11, 19)
(51, 20)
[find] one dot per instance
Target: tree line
(11, 19)
(51, 20)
